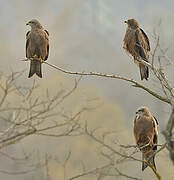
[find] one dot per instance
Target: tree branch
(135, 83)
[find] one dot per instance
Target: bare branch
(89, 172)
(125, 175)
(135, 83)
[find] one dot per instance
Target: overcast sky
(87, 35)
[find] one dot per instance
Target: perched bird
(146, 135)
(37, 46)
(137, 44)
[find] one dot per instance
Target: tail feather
(35, 67)
(151, 160)
(144, 71)
(38, 69)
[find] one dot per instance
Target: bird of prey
(37, 47)
(137, 44)
(146, 135)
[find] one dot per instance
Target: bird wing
(27, 44)
(46, 44)
(156, 120)
(146, 39)
(136, 129)
(155, 138)
(140, 45)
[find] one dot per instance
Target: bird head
(34, 24)
(143, 111)
(132, 23)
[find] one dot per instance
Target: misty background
(87, 35)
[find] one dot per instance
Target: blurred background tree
(84, 36)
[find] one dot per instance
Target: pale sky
(87, 35)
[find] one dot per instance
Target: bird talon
(35, 56)
(145, 161)
(41, 60)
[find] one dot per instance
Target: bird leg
(136, 61)
(41, 60)
(150, 164)
(35, 56)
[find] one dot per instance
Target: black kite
(137, 44)
(37, 46)
(146, 135)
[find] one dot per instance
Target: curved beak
(125, 22)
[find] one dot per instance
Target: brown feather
(37, 44)
(146, 135)
(137, 44)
